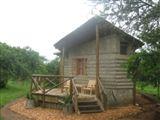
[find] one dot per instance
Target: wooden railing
(74, 95)
(45, 83)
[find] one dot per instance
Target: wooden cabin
(96, 51)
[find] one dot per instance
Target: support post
(31, 87)
(43, 97)
(97, 59)
(134, 92)
(71, 88)
(62, 69)
(43, 88)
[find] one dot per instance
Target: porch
(49, 91)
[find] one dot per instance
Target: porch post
(62, 68)
(134, 92)
(97, 59)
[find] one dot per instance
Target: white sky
(40, 23)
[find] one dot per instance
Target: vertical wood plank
(43, 99)
(71, 87)
(62, 69)
(97, 59)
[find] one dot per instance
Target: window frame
(123, 48)
(81, 66)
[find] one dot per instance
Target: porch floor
(53, 92)
(57, 92)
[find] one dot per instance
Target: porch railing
(45, 83)
(75, 95)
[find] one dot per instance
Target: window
(123, 48)
(80, 66)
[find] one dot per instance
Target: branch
(146, 3)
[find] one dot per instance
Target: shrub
(3, 82)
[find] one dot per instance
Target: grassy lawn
(149, 89)
(13, 90)
(1, 118)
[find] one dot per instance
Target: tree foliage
(53, 66)
(145, 67)
(20, 63)
(133, 15)
(152, 39)
(138, 17)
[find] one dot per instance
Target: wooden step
(81, 103)
(90, 111)
(112, 77)
(89, 106)
(116, 83)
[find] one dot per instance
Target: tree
(19, 63)
(135, 15)
(53, 67)
(145, 67)
(140, 18)
(5, 64)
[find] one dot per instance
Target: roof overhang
(87, 32)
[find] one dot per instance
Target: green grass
(1, 118)
(13, 90)
(149, 89)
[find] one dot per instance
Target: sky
(39, 24)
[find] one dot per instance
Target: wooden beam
(62, 68)
(97, 59)
(31, 86)
(43, 99)
(42, 75)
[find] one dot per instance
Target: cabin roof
(86, 32)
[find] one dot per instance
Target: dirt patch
(7, 114)
(17, 111)
(147, 107)
(52, 114)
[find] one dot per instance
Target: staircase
(89, 106)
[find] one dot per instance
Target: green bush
(3, 82)
(14, 89)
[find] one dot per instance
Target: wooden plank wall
(113, 75)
